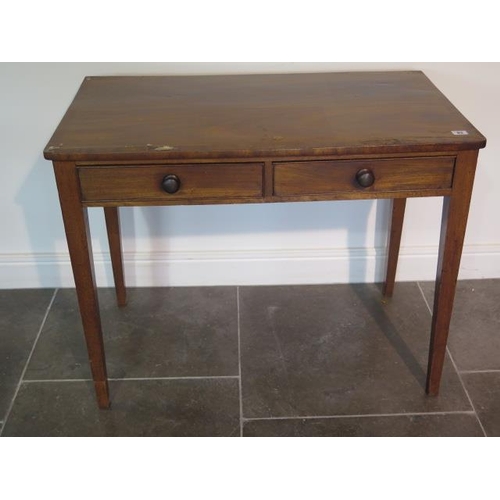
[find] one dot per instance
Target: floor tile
(458, 425)
(162, 332)
(139, 408)
(474, 339)
(21, 315)
(484, 390)
(338, 350)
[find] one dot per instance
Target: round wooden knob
(171, 184)
(365, 178)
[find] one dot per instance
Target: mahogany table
(175, 140)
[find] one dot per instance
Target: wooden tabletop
(181, 117)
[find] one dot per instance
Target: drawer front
(196, 182)
(391, 174)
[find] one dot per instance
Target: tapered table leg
(455, 213)
(398, 213)
(80, 251)
(115, 247)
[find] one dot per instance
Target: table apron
(269, 181)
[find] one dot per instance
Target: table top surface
(246, 116)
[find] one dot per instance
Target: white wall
(243, 244)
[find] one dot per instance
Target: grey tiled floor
(330, 360)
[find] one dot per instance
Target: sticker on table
(460, 132)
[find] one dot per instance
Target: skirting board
(263, 267)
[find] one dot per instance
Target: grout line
(425, 299)
(479, 371)
(466, 391)
(239, 360)
(38, 381)
(367, 415)
(175, 378)
(456, 369)
(28, 360)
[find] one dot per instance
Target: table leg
(455, 213)
(398, 213)
(80, 251)
(115, 247)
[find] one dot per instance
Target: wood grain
(323, 177)
(454, 222)
(112, 218)
(197, 182)
(237, 116)
(397, 217)
(80, 252)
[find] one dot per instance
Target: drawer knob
(365, 178)
(171, 184)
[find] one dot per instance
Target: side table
(174, 140)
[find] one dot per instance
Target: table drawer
(152, 182)
(391, 174)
